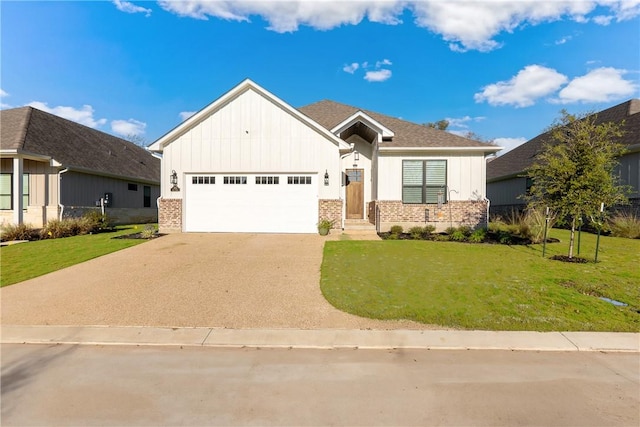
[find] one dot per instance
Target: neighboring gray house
(250, 162)
(52, 168)
(505, 175)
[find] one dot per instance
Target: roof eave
(112, 175)
(486, 150)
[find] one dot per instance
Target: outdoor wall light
(326, 177)
(174, 181)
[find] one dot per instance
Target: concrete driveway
(182, 280)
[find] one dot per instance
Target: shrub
(534, 219)
(148, 232)
(428, 230)
(478, 236)
(416, 232)
(396, 229)
(625, 224)
(450, 230)
(458, 236)
(9, 232)
(96, 221)
(55, 229)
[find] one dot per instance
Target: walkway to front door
(355, 193)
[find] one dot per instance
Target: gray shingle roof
(520, 158)
(31, 131)
(407, 134)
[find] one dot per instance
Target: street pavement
(87, 385)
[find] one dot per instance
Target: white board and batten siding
(465, 175)
(251, 136)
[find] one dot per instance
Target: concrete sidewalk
(323, 338)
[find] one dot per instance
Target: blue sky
(500, 69)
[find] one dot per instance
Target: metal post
(546, 223)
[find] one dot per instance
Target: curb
(322, 338)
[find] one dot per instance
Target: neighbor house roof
(520, 158)
(29, 131)
(406, 134)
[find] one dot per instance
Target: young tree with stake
(574, 173)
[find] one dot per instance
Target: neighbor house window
(133, 187)
(423, 181)
(6, 191)
(146, 190)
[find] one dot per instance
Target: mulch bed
(565, 258)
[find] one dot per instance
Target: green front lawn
(489, 287)
(27, 260)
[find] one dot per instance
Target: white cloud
(603, 20)
(288, 16)
(83, 115)
(563, 40)
(128, 7)
(531, 83)
(351, 68)
(600, 85)
(378, 75)
(129, 127)
(465, 25)
(461, 122)
(4, 94)
(508, 144)
(184, 115)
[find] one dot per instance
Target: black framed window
(146, 196)
(423, 181)
(6, 191)
(132, 187)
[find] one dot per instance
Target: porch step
(359, 225)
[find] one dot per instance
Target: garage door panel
(252, 207)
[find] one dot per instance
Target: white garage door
(262, 203)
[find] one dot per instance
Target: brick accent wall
(331, 209)
(170, 216)
(394, 212)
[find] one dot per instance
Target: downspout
(353, 146)
(60, 191)
(488, 204)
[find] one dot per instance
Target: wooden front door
(355, 193)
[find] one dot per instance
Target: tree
(574, 173)
(136, 139)
(440, 124)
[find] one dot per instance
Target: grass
(487, 287)
(28, 260)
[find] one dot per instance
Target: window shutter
(412, 172)
(412, 181)
(436, 172)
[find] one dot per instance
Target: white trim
(17, 189)
(247, 84)
(488, 149)
(360, 116)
